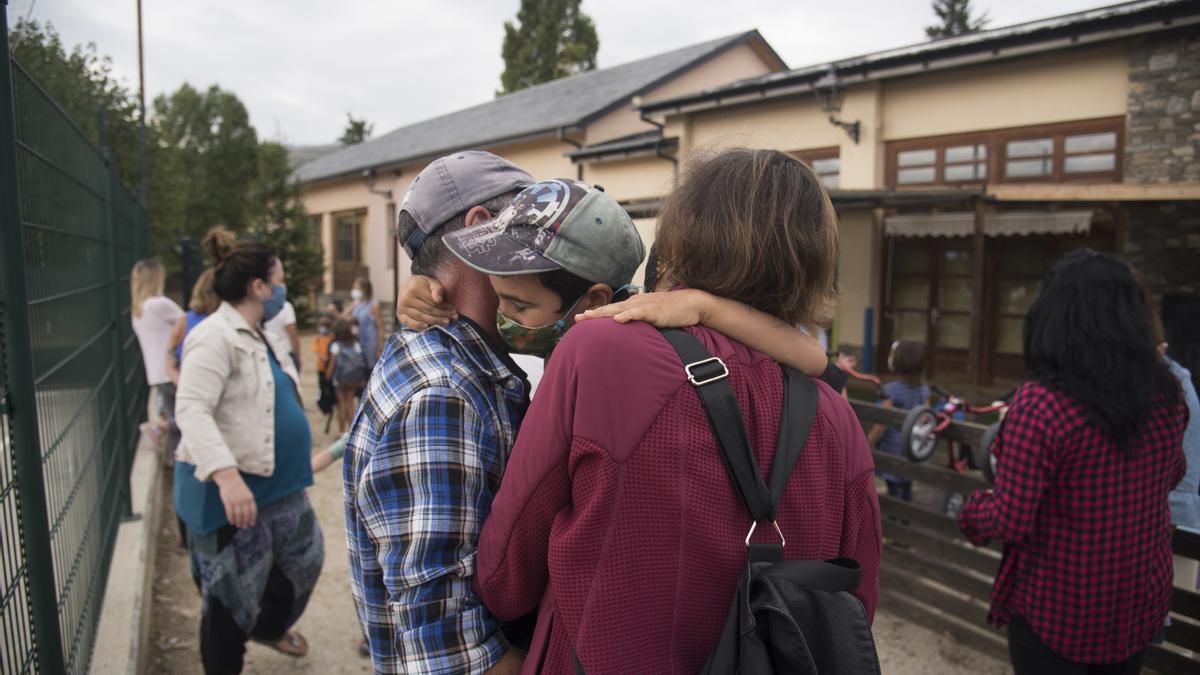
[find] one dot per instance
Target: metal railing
(72, 390)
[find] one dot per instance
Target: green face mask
(532, 340)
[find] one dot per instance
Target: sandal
(291, 644)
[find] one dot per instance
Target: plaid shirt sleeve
(422, 498)
(1024, 451)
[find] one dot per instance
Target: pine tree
(552, 39)
(955, 16)
(356, 131)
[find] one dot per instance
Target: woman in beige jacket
(243, 465)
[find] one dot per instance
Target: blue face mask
(273, 305)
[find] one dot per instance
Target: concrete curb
(124, 632)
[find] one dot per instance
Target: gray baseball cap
(555, 224)
(453, 184)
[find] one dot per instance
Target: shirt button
(511, 384)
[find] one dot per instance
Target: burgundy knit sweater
(616, 515)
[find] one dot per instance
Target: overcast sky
(300, 65)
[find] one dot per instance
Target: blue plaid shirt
(426, 452)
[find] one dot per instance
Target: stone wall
(1162, 142)
(1163, 241)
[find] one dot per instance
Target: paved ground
(331, 626)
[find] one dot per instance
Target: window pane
(1015, 297)
(831, 180)
(1009, 335)
(912, 257)
(965, 153)
(965, 172)
(909, 176)
(910, 326)
(345, 241)
(823, 166)
(954, 332)
(954, 295)
(1032, 148)
(1089, 163)
(1091, 142)
(956, 259)
(1022, 259)
(911, 293)
(1025, 168)
(916, 157)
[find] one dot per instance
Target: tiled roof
(560, 104)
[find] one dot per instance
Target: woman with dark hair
(616, 484)
(1086, 456)
(243, 465)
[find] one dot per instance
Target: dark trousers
(223, 642)
(1030, 656)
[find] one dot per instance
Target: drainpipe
(658, 151)
(562, 137)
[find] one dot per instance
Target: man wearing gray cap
(429, 442)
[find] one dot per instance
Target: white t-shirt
(153, 330)
(277, 326)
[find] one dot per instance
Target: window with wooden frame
(825, 162)
(1085, 151)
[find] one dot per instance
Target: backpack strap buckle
(754, 525)
(712, 374)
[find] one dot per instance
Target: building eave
(986, 47)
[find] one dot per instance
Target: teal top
(199, 503)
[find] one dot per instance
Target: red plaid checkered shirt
(1085, 525)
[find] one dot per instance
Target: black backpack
(787, 616)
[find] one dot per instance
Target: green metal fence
(72, 390)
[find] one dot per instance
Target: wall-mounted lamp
(831, 93)
(369, 178)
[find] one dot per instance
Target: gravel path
(331, 627)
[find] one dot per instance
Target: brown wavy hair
(237, 263)
(755, 226)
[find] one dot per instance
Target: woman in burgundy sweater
(1088, 453)
(616, 517)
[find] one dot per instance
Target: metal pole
(142, 158)
(22, 407)
(976, 351)
(121, 455)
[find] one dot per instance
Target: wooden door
(930, 301)
(347, 249)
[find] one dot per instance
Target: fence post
(123, 457)
(27, 451)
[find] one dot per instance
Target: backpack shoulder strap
(800, 398)
(711, 379)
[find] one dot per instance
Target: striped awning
(1003, 224)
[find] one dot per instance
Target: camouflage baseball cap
(551, 225)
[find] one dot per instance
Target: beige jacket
(225, 405)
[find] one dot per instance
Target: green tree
(207, 166)
(280, 221)
(356, 131)
(955, 17)
(551, 39)
(82, 83)
(205, 163)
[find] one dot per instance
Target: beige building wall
(645, 227)
(859, 266)
(1075, 85)
(739, 63)
(633, 179)
(542, 159)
